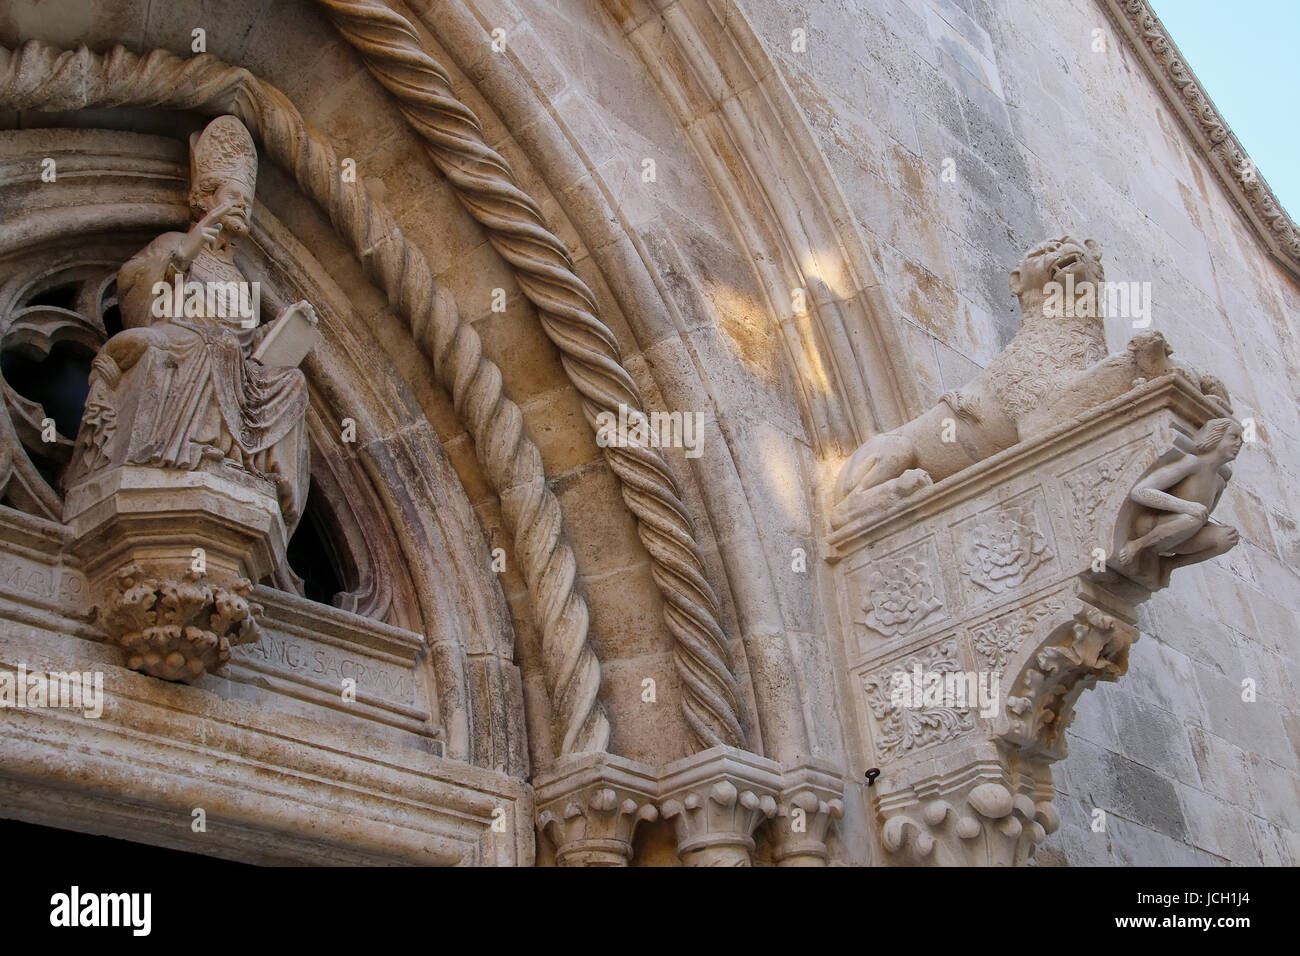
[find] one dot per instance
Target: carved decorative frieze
(1213, 139)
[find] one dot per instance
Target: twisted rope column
(39, 76)
(589, 351)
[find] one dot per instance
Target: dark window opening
(312, 554)
(59, 383)
(60, 297)
(112, 320)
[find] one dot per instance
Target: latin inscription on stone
(318, 662)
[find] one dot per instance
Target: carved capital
(983, 814)
(810, 803)
(589, 807)
(171, 558)
(716, 800)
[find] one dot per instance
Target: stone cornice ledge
(1137, 23)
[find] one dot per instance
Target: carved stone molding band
(40, 76)
(1138, 24)
(590, 353)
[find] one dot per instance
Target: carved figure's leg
(127, 347)
(880, 459)
(1210, 542)
(1170, 531)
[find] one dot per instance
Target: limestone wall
(1047, 135)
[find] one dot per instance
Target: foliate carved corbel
(1092, 647)
(178, 629)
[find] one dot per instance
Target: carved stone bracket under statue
(170, 556)
(1017, 578)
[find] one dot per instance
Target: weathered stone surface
(794, 221)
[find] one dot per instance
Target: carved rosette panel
(1092, 647)
(1002, 547)
(902, 593)
(177, 629)
(899, 729)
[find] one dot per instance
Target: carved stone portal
(190, 468)
(965, 671)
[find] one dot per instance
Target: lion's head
(1150, 352)
(1051, 261)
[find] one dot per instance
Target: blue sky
(1245, 54)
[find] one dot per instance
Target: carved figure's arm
(138, 276)
(1150, 490)
(205, 232)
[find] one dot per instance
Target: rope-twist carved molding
(39, 76)
(486, 185)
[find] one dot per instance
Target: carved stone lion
(1055, 368)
